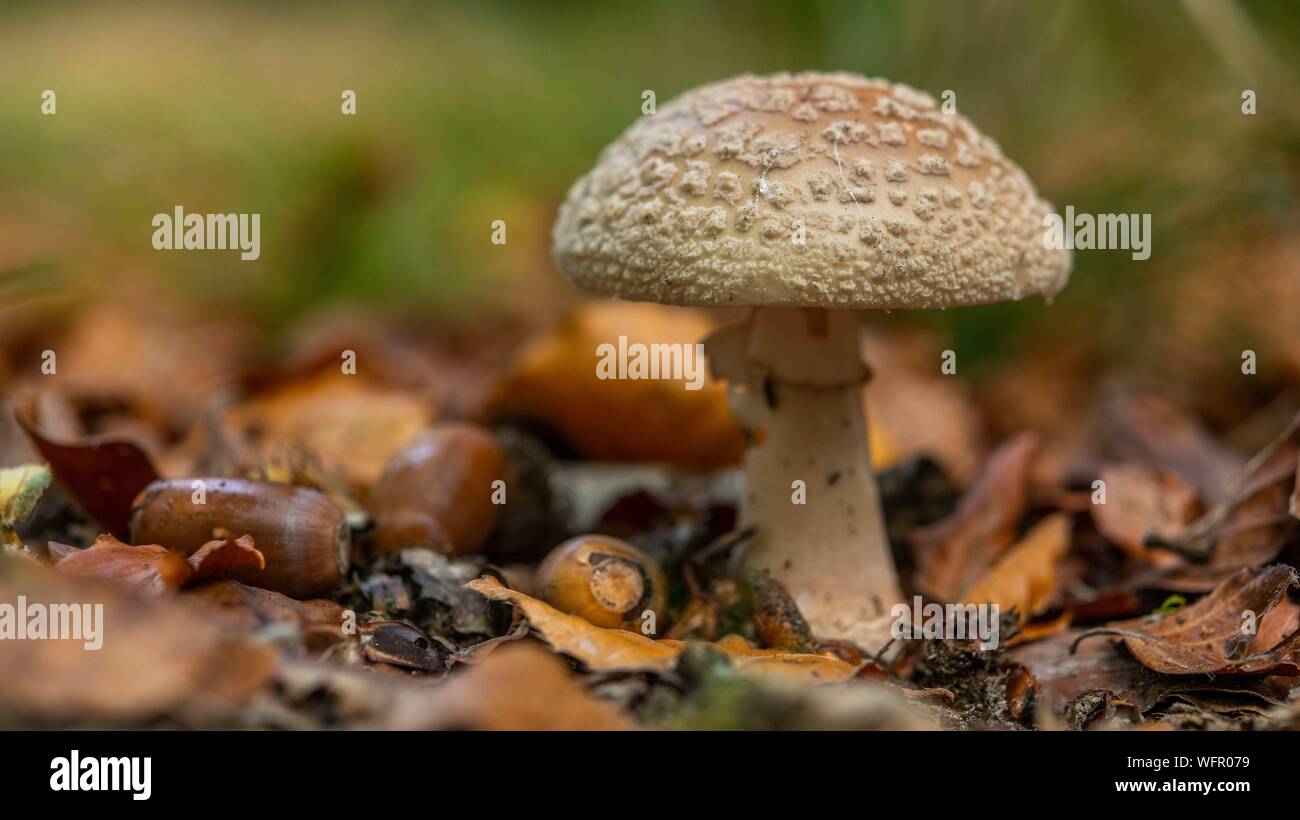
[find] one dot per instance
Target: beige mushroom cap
(807, 190)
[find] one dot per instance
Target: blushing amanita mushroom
(806, 197)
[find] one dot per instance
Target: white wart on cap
(899, 204)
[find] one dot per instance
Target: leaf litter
(442, 624)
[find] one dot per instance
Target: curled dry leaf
(1217, 634)
(104, 474)
(1027, 575)
(1142, 502)
(607, 650)
(1275, 625)
(951, 554)
(154, 569)
(554, 380)
(226, 555)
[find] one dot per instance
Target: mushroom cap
(807, 190)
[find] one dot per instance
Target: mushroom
(806, 197)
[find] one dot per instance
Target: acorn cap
(807, 190)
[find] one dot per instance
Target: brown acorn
(604, 580)
(437, 492)
(302, 534)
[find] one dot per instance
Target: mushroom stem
(797, 375)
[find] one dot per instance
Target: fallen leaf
(1140, 502)
(1216, 635)
(103, 473)
(158, 658)
(226, 555)
(177, 362)
(151, 569)
(1275, 625)
(952, 553)
(1026, 576)
(518, 687)
(1103, 666)
(154, 569)
(254, 607)
(607, 650)
(554, 380)
(352, 424)
(1243, 542)
(1150, 430)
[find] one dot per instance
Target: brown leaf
(1275, 625)
(1142, 501)
(518, 687)
(223, 555)
(619, 650)
(254, 607)
(150, 568)
(1149, 430)
(103, 473)
(158, 658)
(352, 424)
(951, 554)
(554, 380)
(1243, 542)
(1102, 666)
(1026, 576)
(1210, 636)
(154, 569)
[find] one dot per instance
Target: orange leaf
(617, 649)
(1026, 576)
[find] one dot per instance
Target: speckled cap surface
(812, 190)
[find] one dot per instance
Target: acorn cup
(302, 534)
(608, 582)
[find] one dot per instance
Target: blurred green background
(470, 112)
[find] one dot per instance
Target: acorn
(438, 492)
(604, 580)
(302, 534)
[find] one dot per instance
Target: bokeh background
(471, 112)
